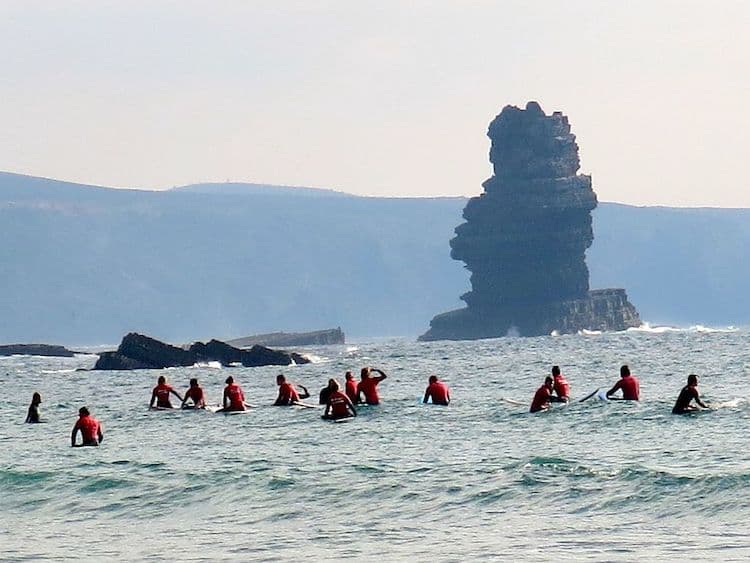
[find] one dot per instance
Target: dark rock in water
(316, 338)
(142, 352)
(525, 239)
(35, 350)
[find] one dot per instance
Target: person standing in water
(689, 393)
(351, 387)
(368, 386)
(91, 429)
(631, 389)
(438, 391)
(560, 385)
(541, 401)
(234, 398)
(160, 394)
(288, 395)
(195, 393)
(33, 415)
(339, 405)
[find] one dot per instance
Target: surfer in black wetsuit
(33, 414)
(689, 393)
(327, 391)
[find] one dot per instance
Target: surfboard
(587, 397)
(602, 396)
(513, 402)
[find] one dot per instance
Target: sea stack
(525, 240)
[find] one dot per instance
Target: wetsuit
(688, 393)
(196, 394)
(325, 394)
(631, 390)
(541, 399)
(562, 387)
(369, 386)
(287, 394)
(236, 397)
(91, 430)
(162, 392)
(339, 405)
(33, 414)
(351, 390)
(439, 392)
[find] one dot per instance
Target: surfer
(195, 393)
(326, 392)
(33, 414)
(234, 398)
(560, 386)
(541, 401)
(91, 429)
(288, 395)
(351, 387)
(160, 394)
(439, 392)
(339, 405)
(631, 389)
(689, 393)
(368, 386)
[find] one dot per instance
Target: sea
(403, 481)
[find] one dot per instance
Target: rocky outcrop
(137, 351)
(525, 239)
(315, 338)
(35, 350)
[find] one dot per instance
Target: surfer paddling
(543, 395)
(339, 405)
(288, 395)
(688, 394)
(437, 391)
(160, 394)
(33, 415)
(233, 398)
(368, 386)
(91, 429)
(560, 385)
(195, 394)
(631, 389)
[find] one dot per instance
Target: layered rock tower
(525, 239)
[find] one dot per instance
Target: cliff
(525, 239)
(315, 338)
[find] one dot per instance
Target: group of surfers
(338, 404)
(556, 389)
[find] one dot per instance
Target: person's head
(83, 411)
(280, 379)
(555, 371)
(348, 376)
(624, 371)
(433, 379)
(193, 382)
(365, 373)
(548, 381)
(333, 385)
(36, 399)
(229, 380)
(162, 380)
(692, 379)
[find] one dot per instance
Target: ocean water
(481, 478)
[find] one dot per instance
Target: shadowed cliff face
(525, 237)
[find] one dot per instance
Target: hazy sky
(375, 97)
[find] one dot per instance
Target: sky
(384, 97)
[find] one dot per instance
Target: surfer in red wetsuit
(542, 396)
(560, 385)
(234, 398)
(194, 393)
(351, 387)
(91, 429)
(689, 393)
(339, 405)
(438, 391)
(288, 395)
(631, 389)
(368, 386)
(161, 393)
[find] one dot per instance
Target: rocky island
(525, 239)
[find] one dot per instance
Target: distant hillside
(85, 265)
(232, 188)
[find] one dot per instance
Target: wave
(662, 329)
